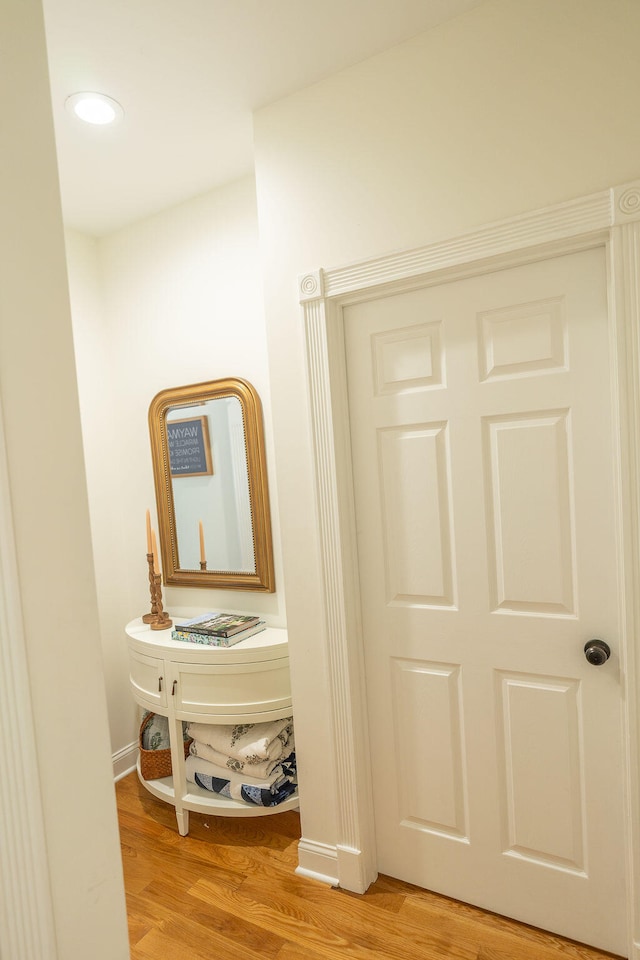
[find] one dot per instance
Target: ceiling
(188, 75)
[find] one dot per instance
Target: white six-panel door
(481, 433)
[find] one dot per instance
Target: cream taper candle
(154, 550)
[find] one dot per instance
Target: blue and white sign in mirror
(189, 447)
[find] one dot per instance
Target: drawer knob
(159, 684)
(173, 688)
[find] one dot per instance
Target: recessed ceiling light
(94, 108)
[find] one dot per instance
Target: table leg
(182, 816)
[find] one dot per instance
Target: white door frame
(611, 220)
(27, 927)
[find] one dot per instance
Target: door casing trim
(609, 219)
(27, 923)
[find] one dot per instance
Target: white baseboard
(337, 866)
(355, 873)
(124, 760)
(318, 861)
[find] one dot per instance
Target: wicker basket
(155, 764)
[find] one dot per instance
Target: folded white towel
(250, 742)
(253, 768)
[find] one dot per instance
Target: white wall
(51, 523)
(98, 391)
(512, 106)
(172, 300)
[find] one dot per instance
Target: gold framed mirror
(207, 448)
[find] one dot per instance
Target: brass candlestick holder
(203, 564)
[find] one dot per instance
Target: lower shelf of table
(202, 801)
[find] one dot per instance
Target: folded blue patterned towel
(264, 793)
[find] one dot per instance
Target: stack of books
(217, 629)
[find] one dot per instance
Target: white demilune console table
(246, 683)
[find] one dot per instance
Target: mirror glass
(211, 488)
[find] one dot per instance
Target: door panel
(417, 519)
(485, 512)
(542, 777)
(427, 696)
(531, 540)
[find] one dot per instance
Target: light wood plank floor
(229, 891)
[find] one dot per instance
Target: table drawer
(209, 692)
(148, 679)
